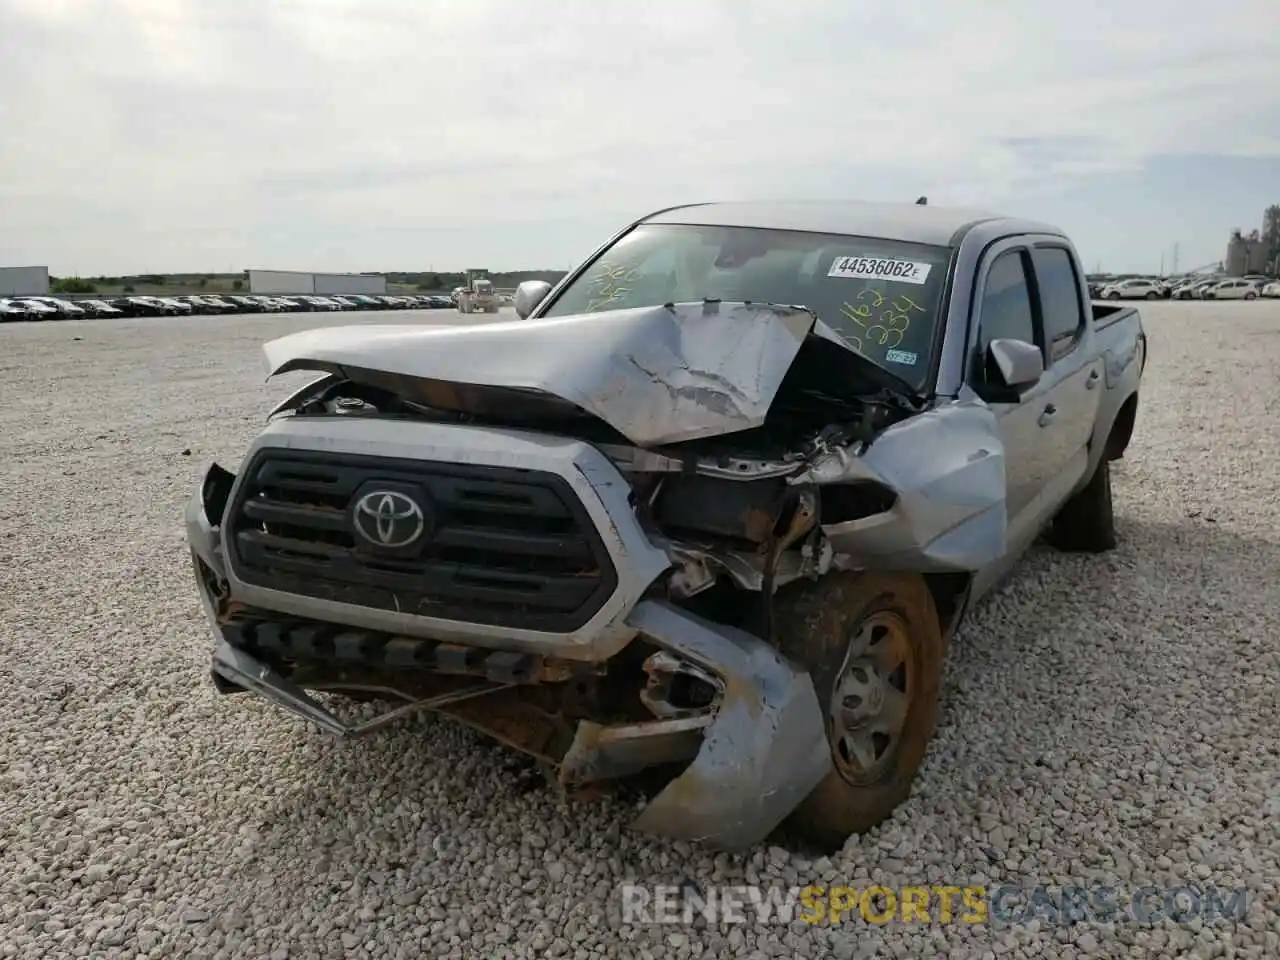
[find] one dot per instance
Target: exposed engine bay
(735, 506)
(767, 497)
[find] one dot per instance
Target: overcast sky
(167, 135)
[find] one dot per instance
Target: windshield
(882, 296)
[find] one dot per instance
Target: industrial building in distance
(285, 282)
(1248, 254)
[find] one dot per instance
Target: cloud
(181, 133)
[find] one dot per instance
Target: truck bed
(1105, 314)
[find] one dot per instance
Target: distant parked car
(155, 306)
(11, 311)
(203, 304)
(1236, 289)
(1271, 290)
(180, 307)
(1097, 285)
(99, 308)
(1137, 288)
(196, 304)
(219, 305)
(141, 307)
(38, 309)
(62, 309)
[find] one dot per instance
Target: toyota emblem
(388, 518)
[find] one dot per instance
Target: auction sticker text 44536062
(875, 268)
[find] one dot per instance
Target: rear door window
(1060, 303)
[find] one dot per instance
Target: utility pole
(1175, 258)
(1162, 263)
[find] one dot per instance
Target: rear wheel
(874, 648)
(1086, 523)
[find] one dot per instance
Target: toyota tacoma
(710, 508)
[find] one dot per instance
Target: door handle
(1092, 382)
(1047, 415)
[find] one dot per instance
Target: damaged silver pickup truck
(711, 508)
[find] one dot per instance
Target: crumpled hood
(655, 374)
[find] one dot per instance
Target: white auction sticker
(873, 268)
(907, 357)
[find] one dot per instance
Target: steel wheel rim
(872, 697)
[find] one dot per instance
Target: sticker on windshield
(905, 357)
(873, 268)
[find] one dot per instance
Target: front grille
(508, 547)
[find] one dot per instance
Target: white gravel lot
(1106, 720)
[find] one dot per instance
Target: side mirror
(528, 295)
(1020, 364)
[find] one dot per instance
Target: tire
(822, 625)
(1152, 295)
(1113, 296)
(1251, 296)
(1086, 523)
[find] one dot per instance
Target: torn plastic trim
(304, 393)
(657, 375)
(240, 670)
(204, 538)
(600, 752)
(947, 467)
(763, 752)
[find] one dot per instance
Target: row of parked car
(1185, 288)
(56, 308)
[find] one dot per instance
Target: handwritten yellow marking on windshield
(904, 304)
(859, 315)
(893, 322)
(617, 273)
(609, 284)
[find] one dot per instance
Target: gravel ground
(1106, 720)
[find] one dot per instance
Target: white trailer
(285, 282)
(24, 281)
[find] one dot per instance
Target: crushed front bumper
(749, 763)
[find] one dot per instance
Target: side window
(1006, 307)
(1060, 304)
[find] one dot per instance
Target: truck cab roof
(907, 222)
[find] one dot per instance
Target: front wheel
(874, 648)
(1251, 295)
(1113, 296)
(1152, 295)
